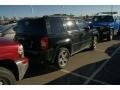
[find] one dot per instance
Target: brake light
(20, 51)
(44, 43)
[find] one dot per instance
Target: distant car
(54, 38)
(13, 63)
(7, 31)
(108, 25)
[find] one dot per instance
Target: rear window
(31, 26)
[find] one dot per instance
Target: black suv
(54, 38)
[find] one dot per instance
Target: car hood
(102, 23)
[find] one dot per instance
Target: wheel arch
(62, 45)
(10, 65)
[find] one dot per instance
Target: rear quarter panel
(56, 41)
(9, 52)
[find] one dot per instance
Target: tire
(93, 43)
(6, 77)
(62, 58)
(117, 34)
(100, 37)
(110, 36)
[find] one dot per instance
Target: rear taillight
(20, 51)
(44, 43)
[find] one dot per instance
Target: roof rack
(61, 15)
(107, 13)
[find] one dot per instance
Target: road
(100, 66)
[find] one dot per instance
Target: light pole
(32, 10)
(111, 7)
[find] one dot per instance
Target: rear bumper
(39, 56)
(22, 67)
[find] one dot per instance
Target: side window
(71, 25)
(82, 24)
(56, 25)
(117, 18)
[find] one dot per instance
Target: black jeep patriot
(54, 38)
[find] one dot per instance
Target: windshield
(103, 19)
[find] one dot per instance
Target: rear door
(30, 31)
(74, 33)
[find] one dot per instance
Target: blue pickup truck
(107, 25)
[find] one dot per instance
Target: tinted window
(117, 18)
(31, 26)
(56, 25)
(103, 19)
(71, 25)
(82, 24)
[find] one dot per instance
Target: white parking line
(100, 68)
(75, 74)
(94, 74)
(79, 75)
(82, 76)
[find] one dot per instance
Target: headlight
(21, 51)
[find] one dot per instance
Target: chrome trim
(22, 68)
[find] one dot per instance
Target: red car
(13, 64)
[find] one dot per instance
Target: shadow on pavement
(109, 74)
(111, 49)
(73, 79)
(114, 63)
(36, 69)
(112, 67)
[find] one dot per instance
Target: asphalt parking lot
(97, 67)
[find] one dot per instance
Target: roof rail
(61, 15)
(107, 13)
